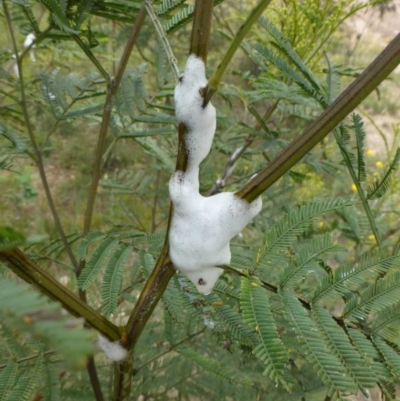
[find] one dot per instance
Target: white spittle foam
(114, 350)
(201, 227)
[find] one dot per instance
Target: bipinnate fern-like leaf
(98, 260)
(358, 127)
(326, 365)
(179, 19)
(8, 377)
(289, 72)
(387, 324)
(32, 314)
(86, 241)
(284, 46)
(58, 10)
(308, 254)
(332, 81)
(283, 234)
(257, 314)
(172, 299)
(390, 356)
(340, 345)
(26, 383)
(376, 297)
(112, 279)
(233, 323)
(52, 391)
(379, 188)
(210, 365)
(167, 6)
(350, 276)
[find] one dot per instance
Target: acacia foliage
(294, 316)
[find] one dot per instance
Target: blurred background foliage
(192, 348)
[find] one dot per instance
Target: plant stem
(91, 57)
(37, 153)
(201, 28)
(149, 296)
(161, 34)
(30, 272)
(94, 379)
(366, 82)
(112, 88)
(214, 81)
(357, 183)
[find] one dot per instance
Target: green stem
(366, 82)
(16, 100)
(108, 105)
(149, 296)
(37, 153)
(91, 57)
(214, 81)
(26, 269)
(161, 34)
(357, 183)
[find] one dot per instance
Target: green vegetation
(309, 307)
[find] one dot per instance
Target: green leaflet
(284, 45)
(326, 365)
(377, 296)
(358, 127)
(52, 389)
(283, 234)
(290, 73)
(233, 322)
(167, 6)
(316, 249)
(379, 188)
(149, 132)
(58, 10)
(391, 356)
(340, 345)
(112, 279)
(25, 385)
(387, 324)
(98, 260)
(257, 314)
(211, 366)
(159, 153)
(84, 244)
(179, 19)
(32, 313)
(349, 276)
(7, 379)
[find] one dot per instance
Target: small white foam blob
(114, 350)
(30, 38)
(201, 227)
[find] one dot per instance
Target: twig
(215, 79)
(357, 183)
(37, 153)
(91, 57)
(108, 105)
(30, 358)
(220, 182)
(161, 34)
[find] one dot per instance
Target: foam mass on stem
(201, 227)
